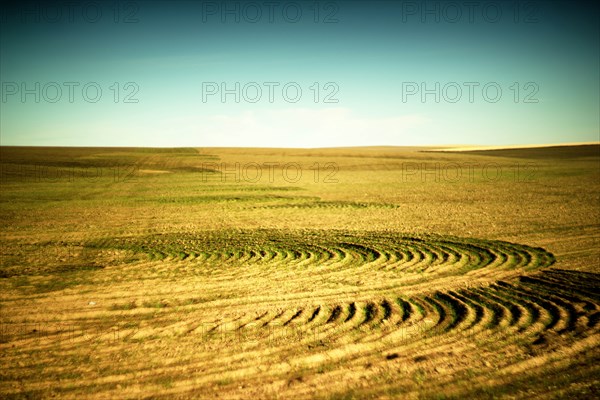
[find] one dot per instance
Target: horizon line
(459, 147)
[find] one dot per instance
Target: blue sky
(528, 72)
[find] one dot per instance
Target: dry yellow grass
(377, 273)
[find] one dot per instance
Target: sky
(298, 73)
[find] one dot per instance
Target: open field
(377, 272)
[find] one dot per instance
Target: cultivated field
(277, 273)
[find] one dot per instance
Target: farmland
(373, 272)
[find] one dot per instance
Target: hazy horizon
(473, 146)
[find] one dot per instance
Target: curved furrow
(538, 316)
(279, 314)
(568, 283)
(563, 315)
(435, 310)
(314, 314)
(438, 258)
(528, 312)
(322, 256)
(480, 313)
(351, 312)
(427, 259)
(380, 321)
(454, 259)
(496, 312)
(403, 256)
(363, 255)
(588, 279)
(392, 257)
(517, 312)
(457, 309)
(414, 257)
(311, 252)
(335, 314)
(299, 258)
(347, 320)
(267, 254)
(245, 256)
(449, 311)
(519, 258)
(562, 296)
(387, 310)
(254, 256)
(344, 259)
(406, 309)
(253, 320)
(294, 317)
(369, 312)
(552, 314)
(475, 309)
(303, 315)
